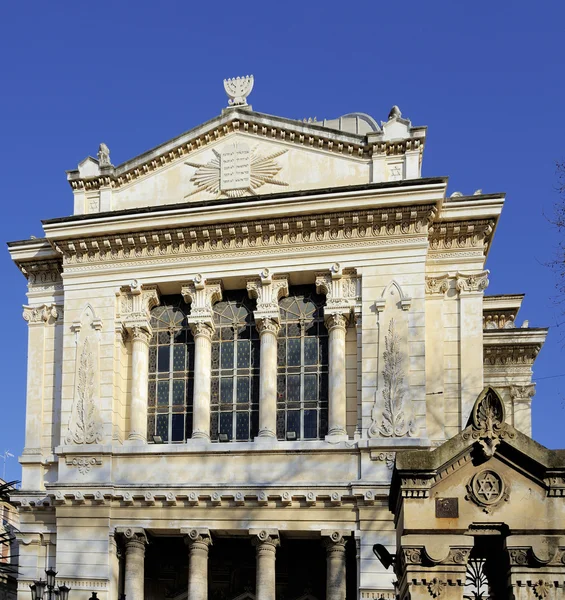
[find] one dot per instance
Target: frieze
(204, 498)
(332, 227)
(186, 259)
(461, 234)
(519, 354)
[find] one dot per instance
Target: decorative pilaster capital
(134, 537)
(522, 392)
(334, 542)
(134, 304)
(44, 314)
(437, 285)
(202, 294)
(197, 538)
(336, 321)
(267, 289)
(267, 325)
(342, 289)
(265, 540)
(471, 283)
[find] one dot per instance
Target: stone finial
(104, 156)
(394, 113)
(237, 89)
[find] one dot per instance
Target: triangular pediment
(244, 153)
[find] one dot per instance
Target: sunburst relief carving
(236, 171)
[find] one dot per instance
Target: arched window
(235, 369)
(171, 368)
(302, 382)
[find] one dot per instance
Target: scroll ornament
(394, 421)
(84, 423)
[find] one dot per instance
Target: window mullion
(302, 337)
(171, 383)
(234, 385)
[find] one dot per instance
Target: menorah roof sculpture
(237, 89)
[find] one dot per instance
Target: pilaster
(471, 287)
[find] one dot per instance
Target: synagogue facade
(260, 355)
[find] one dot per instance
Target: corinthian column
(341, 290)
(134, 305)
(266, 547)
(202, 294)
(198, 542)
(268, 289)
(139, 388)
(335, 556)
(134, 580)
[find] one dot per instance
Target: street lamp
(45, 590)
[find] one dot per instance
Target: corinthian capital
(437, 284)
(467, 283)
(44, 314)
(202, 294)
(135, 302)
(523, 392)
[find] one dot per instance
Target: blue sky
(485, 77)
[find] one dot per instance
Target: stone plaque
(447, 508)
(235, 167)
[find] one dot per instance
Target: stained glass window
(171, 368)
(302, 379)
(235, 369)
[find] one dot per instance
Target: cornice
(254, 124)
(278, 233)
(461, 235)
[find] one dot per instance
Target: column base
(135, 440)
(266, 435)
(201, 435)
(336, 438)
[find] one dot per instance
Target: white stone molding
(85, 426)
(404, 300)
(44, 314)
(457, 236)
(471, 283)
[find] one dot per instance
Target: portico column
(139, 383)
(337, 328)
(268, 289)
(268, 332)
(202, 333)
(198, 542)
(335, 574)
(266, 547)
(202, 294)
(135, 302)
(342, 293)
(134, 579)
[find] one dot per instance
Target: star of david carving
(488, 487)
